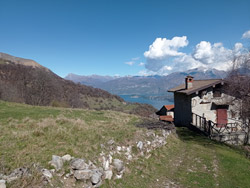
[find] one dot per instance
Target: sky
(125, 37)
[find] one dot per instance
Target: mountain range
(144, 85)
(26, 81)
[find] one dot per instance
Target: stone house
(205, 98)
(206, 105)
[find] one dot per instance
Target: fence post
(209, 127)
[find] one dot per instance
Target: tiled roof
(197, 86)
(167, 118)
(169, 107)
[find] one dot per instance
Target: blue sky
(113, 37)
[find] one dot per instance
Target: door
(221, 117)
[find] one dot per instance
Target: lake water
(140, 99)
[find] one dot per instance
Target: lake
(157, 103)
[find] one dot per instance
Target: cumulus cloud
(164, 56)
(162, 50)
(130, 63)
(163, 47)
(246, 35)
(215, 55)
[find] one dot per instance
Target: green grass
(191, 160)
(33, 134)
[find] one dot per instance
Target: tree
(238, 86)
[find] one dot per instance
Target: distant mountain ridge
(144, 85)
(26, 81)
(92, 80)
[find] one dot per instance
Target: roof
(167, 118)
(197, 86)
(169, 107)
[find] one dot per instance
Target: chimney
(189, 82)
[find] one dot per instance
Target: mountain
(147, 85)
(92, 80)
(26, 81)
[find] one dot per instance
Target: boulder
(83, 174)
(96, 178)
(78, 164)
(57, 162)
(118, 164)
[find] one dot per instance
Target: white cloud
(163, 47)
(215, 55)
(130, 63)
(246, 35)
(164, 57)
(141, 64)
(162, 50)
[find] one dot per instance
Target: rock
(118, 176)
(47, 174)
(110, 158)
(129, 149)
(66, 158)
(129, 157)
(108, 174)
(57, 162)
(106, 164)
(2, 184)
(118, 164)
(123, 148)
(96, 178)
(17, 173)
(118, 148)
(83, 174)
(140, 145)
(78, 164)
(91, 165)
(111, 142)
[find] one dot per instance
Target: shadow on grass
(188, 136)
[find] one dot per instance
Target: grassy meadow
(31, 134)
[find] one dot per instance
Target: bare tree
(238, 81)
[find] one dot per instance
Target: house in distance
(166, 113)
